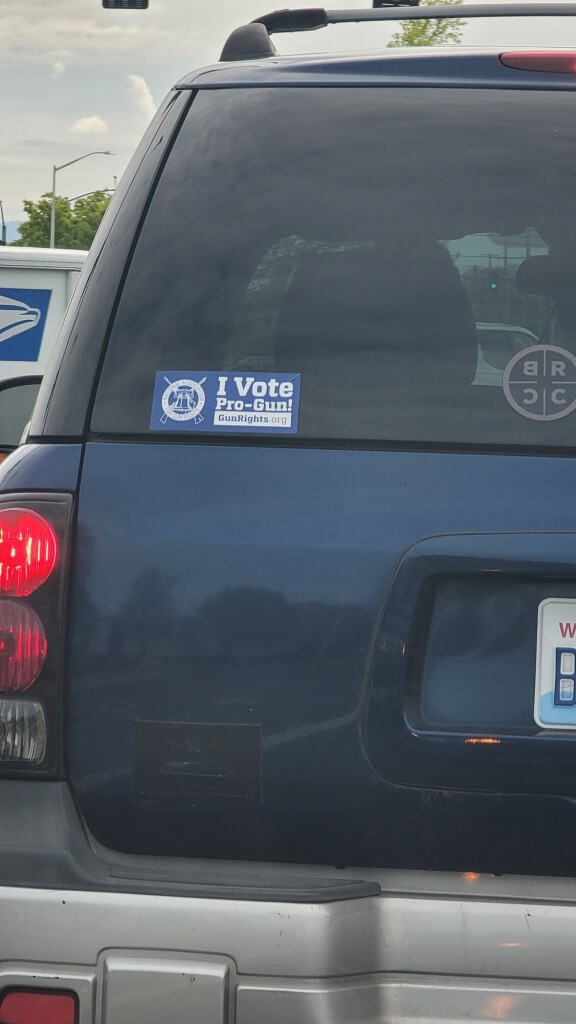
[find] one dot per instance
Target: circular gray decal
(540, 382)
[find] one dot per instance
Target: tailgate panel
(228, 682)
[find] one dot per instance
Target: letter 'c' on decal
(555, 396)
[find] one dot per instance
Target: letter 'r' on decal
(558, 368)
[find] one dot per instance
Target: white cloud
(140, 93)
(90, 126)
(62, 57)
(34, 31)
(172, 34)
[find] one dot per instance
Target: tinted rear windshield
(373, 264)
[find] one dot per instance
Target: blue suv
(288, 595)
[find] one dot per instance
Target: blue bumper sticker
(23, 313)
(220, 400)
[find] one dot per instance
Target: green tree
(76, 223)
(87, 213)
(429, 33)
(36, 230)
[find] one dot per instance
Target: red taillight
(28, 551)
(38, 1008)
(555, 61)
(33, 544)
(23, 647)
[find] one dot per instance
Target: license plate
(555, 697)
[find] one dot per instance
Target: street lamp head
(93, 152)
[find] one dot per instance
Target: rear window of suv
(405, 255)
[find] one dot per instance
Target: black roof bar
(251, 42)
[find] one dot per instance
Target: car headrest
(545, 275)
(553, 277)
(402, 303)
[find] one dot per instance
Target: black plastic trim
(332, 444)
(250, 42)
(43, 844)
(294, 21)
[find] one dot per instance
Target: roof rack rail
(252, 42)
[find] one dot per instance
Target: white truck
(35, 288)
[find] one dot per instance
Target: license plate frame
(555, 684)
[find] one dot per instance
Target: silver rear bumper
(147, 959)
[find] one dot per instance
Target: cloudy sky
(75, 78)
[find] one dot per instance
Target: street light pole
(53, 209)
(55, 169)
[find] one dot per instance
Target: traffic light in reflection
(493, 279)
